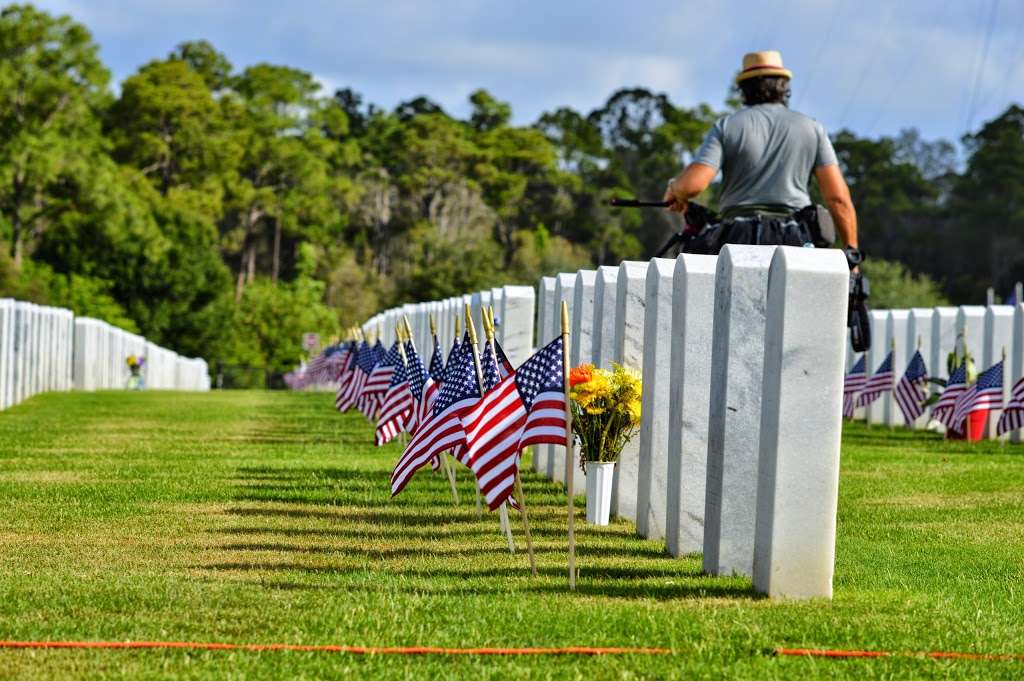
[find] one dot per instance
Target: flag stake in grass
(503, 510)
(569, 467)
(445, 463)
(449, 473)
(520, 497)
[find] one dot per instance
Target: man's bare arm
(689, 184)
(837, 199)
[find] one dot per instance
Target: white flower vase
(600, 475)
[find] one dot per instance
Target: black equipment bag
(705, 233)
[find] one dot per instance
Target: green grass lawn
(265, 517)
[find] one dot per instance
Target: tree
(488, 113)
(167, 124)
(52, 87)
(987, 208)
(283, 180)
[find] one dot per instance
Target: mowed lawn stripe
(264, 517)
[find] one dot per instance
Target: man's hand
(675, 205)
(689, 184)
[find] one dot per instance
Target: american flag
(421, 386)
(525, 408)
(1013, 412)
(984, 395)
(325, 367)
(436, 362)
(910, 393)
(879, 383)
(852, 384)
(955, 386)
(443, 429)
(376, 385)
(396, 407)
(352, 378)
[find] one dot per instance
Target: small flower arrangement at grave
(605, 410)
(135, 364)
(606, 414)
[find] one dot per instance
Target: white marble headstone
(801, 425)
(734, 419)
(605, 288)
(897, 342)
(1017, 359)
(545, 334)
(517, 314)
(970, 325)
(875, 412)
(652, 476)
(998, 339)
(630, 300)
(583, 318)
(919, 338)
(693, 304)
(565, 289)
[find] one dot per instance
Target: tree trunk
(251, 273)
(277, 251)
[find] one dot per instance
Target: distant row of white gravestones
(49, 349)
(742, 357)
(985, 332)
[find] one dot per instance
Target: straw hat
(767, 63)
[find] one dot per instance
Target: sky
(873, 66)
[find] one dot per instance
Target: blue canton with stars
(398, 377)
(366, 360)
(437, 362)
(490, 368)
(414, 369)
(544, 372)
(393, 358)
(991, 378)
(459, 379)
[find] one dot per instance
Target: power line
(1011, 71)
(867, 67)
(821, 49)
(981, 66)
(910, 63)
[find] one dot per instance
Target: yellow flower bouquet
(605, 410)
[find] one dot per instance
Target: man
(766, 153)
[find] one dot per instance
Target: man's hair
(765, 90)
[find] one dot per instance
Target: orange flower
(580, 374)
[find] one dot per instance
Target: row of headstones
(49, 349)
(33, 356)
(987, 331)
(101, 351)
(742, 363)
(513, 308)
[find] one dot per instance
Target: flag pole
(458, 336)
(520, 497)
(569, 467)
(1002, 380)
(502, 510)
(892, 348)
(444, 457)
(486, 325)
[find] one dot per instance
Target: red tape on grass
(937, 655)
(355, 650)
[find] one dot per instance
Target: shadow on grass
(355, 505)
(588, 585)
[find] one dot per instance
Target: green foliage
(204, 199)
(893, 286)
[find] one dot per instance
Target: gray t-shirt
(766, 153)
